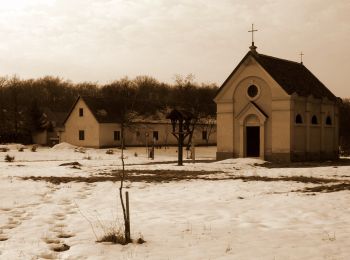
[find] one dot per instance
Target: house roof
(53, 116)
(104, 110)
(292, 76)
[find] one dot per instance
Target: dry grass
(113, 237)
(314, 164)
(131, 175)
(176, 175)
(70, 164)
(326, 188)
(300, 179)
(159, 176)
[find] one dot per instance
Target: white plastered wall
(87, 122)
(272, 99)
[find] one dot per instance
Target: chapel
(276, 110)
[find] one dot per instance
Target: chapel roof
(292, 76)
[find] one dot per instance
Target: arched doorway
(251, 121)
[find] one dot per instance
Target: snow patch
(63, 146)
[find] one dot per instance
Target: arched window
(328, 120)
(314, 120)
(298, 119)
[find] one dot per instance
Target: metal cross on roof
(252, 31)
(301, 57)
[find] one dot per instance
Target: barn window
(116, 135)
(155, 135)
(138, 134)
(328, 120)
(298, 119)
(204, 135)
(314, 120)
(81, 112)
(81, 135)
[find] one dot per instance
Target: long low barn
(93, 122)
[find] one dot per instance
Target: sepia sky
(103, 40)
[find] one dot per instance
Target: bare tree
(2, 108)
(124, 98)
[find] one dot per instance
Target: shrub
(135, 154)
(140, 240)
(114, 238)
(80, 150)
(114, 235)
(109, 151)
(4, 149)
(21, 149)
(9, 158)
(34, 147)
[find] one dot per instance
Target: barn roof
(292, 76)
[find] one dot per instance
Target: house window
(81, 112)
(155, 135)
(116, 135)
(81, 135)
(298, 119)
(328, 120)
(314, 120)
(204, 135)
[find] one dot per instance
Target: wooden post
(193, 152)
(180, 144)
(127, 226)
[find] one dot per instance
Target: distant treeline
(22, 101)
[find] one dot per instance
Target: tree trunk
(125, 215)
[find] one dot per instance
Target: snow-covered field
(244, 211)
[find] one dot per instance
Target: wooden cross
(252, 31)
(301, 57)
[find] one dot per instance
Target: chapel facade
(276, 110)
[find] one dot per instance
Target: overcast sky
(104, 40)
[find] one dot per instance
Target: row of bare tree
(22, 101)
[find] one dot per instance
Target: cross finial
(252, 31)
(301, 57)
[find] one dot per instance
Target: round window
(252, 91)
